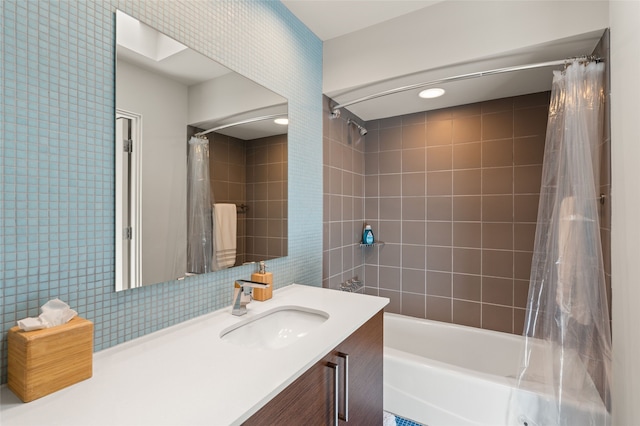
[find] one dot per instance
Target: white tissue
(54, 312)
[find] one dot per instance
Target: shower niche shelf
(377, 243)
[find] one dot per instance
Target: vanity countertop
(187, 375)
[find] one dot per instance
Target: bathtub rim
(454, 326)
(404, 356)
(509, 382)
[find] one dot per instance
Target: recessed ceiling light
(281, 121)
(431, 93)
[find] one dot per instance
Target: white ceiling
(333, 18)
(218, 97)
(370, 46)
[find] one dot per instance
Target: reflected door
(127, 247)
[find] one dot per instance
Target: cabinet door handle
(346, 385)
(336, 377)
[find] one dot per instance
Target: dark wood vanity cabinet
(310, 400)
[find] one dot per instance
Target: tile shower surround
(266, 218)
(343, 195)
(57, 177)
(253, 173)
(454, 195)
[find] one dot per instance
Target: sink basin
(276, 328)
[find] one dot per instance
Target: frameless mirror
(165, 94)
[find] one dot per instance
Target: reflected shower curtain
(199, 214)
(565, 374)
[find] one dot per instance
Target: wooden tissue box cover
(44, 361)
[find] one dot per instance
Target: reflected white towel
(225, 221)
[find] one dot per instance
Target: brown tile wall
(343, 203)
(267, 186)
(227, 170)
(253, 173)
(454, 194)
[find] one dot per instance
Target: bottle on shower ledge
(367, 235)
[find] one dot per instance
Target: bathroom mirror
(166, 93)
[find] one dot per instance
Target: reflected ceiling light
(431, 93)
(281, 121)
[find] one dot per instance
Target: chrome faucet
(242, 295)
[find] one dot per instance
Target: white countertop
(187, 375)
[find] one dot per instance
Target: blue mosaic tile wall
(57, 161)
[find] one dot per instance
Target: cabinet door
(309, 400)
(365, 350)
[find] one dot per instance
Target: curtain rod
(335, 111)
(238, 123)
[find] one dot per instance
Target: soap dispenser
(262, 276)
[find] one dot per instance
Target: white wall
(227, 96)
(625, 198)
(164, 168)
(456, 32)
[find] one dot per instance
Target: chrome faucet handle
(243, 287)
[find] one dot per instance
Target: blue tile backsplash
(58, 187)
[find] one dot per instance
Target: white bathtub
(441, 374)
